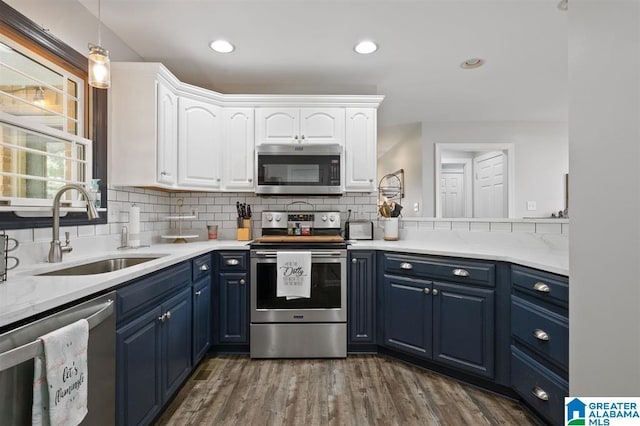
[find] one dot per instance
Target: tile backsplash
(210, 208)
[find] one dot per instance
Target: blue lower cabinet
(463, 327)
(233, 309)
(540, 387)
(176, 342)
(407, 315)
(138, 369)
(361, 297)
(201, 319)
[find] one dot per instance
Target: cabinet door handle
(250, 180)
(435, 291)
(232, 262)
(541, 334)
(168, 314)
(540, 393)
(426, 290)
(406, 265)
(354, 261)
(301, 138)
(295, 138)
(242, 282)
(541, 287)
(163, 173)
(162, 317)
(204, 267)
(458, 272)
(198, 293)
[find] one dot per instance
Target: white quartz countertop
(25, 294)
(546, 252)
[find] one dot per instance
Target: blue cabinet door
(138, 365)
(176, 342)
(463, 327)
(361, 298)
(407, 317)
(201, 318)
(233, 317)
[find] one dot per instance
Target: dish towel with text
(60, 377)
(294, 274)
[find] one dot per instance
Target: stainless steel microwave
(299, 169)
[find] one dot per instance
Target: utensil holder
(244, 230)
(391, 229)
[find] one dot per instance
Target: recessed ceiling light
(222, 46)
(366, 47)
(472, 63)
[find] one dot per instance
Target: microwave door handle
(16, 356)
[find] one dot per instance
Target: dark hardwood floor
(359, 390)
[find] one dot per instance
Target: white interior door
(490, 184)
(452, 194)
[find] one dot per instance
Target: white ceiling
(306, 46)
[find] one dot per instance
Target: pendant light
(99, 64)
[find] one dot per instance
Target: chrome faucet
(56, 250)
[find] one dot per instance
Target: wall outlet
(531, 205)
(416, 207)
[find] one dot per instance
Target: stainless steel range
(314, 327)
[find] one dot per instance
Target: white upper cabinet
(199, 144)
(167, 170)
(167, 134)
(238, 152)
(300, 125)
(360, 150)
(143, 126)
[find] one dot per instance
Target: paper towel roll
(134, 226)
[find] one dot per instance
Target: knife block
(243, 233)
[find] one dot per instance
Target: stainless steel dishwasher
(18, 347)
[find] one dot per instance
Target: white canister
(391, 229)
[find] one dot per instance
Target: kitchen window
(42, 128)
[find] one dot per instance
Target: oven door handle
(313, 254)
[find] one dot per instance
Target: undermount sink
(101, 266)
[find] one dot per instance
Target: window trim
(26, 32)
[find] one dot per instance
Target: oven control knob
(278, 218)
(269, 217)
(324, 217)
(332, 218)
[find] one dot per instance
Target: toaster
(359, 230)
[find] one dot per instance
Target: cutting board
(300, 239)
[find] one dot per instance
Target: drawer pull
(232, 262)
(540, 394)
(406, 265)
(204, 267)
(460, 272)
(541, 335)
(541, 287)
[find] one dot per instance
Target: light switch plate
(531, 205)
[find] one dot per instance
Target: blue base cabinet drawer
(478, 273)
(538, 386)
(544, 331)
(543, 285)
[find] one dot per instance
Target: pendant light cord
(99, 25)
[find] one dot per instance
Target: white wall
(604, 243)
(406, 154)
(541, 159)
(75, 25)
